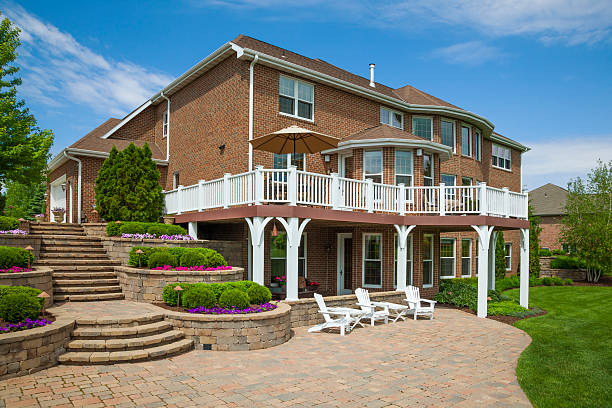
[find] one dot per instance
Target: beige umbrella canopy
(294, 139)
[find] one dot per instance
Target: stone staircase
(110, 341)
(82, 271)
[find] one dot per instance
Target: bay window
(404, 169)
(296, 98)
(372, 260)
(373, 165)
(422, 127)
(501, 157)
(447, 133)
(428, 170)
(477, 145)
(466, 141)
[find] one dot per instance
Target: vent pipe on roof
(372, 84)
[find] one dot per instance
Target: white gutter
(59, 159)
(79, 190)
(366, 143)
(168, 128)
(251, 110)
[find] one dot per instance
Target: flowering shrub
(191, 268)
(265, 307)
(280, 279)
(15, 269)
(165, 237)
(27, 324)
(313, 285)
(14, 232)
(211, 257)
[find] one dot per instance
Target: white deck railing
(295, 187)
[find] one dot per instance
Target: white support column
(401, 200)
(179, 199)
(402, 253)
(259, 185)
(484, 237)
(292, 185)
(492, 247)
(442, 200)
(506, 202)
(193, 229)
(201, 197)
(335, 191)
(294, 233)
(370, 195)
(227, 190)
(483, 198)
(524, 278)
(256, 228)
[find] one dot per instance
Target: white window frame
(470, 142)
(409, 195)
(431, 237)
(454, 123)
(289, 161)
(409, 260)
(382, 166)
(454, 257)
(497, 166)
(304, 258)
(508, 256)
(469, 257)
(433, 173)
(165, 124)
(391, 112)
(449, 193)
(363, 259)
(296, 98)
(478, 144)
(176, 180)
(430, 121)
(476, 255)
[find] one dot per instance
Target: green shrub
(558, 252)
(212, 257)
(133, 228)
(112, 229)
(557, 281)
(458, 293)
(162, 258)
(544, 252)
(472, 281)
(217, 289)
(504, 308)
(234, 299)
(258, 294)
(533, 281)
(12, 256)
(8, 223)
(165, 229)
(169, 294)
(497, 296)
(568, 282)
(508, 283)
(565, 262)
(17, 307)
(547, 281)
(199, 296)
(193, 258)
(9, 290)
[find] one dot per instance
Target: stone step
(113, 357)
(87, 298)
(56, 226)
(128, 343)
(110, 322)
(65, 237)
(86, 282)
(93, 249)
(63, 224)
(76, 262)
(106, 333)
(57, 276)
(83, 290)
(82, 268)
(57, 231)
(72, 255)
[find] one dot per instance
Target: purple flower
(265, 307)
(15, 269)
(176, 237)
(14, 232)
(27, 324)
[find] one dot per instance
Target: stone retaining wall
(573, 274)
(235, 332)
(41, 278)
(28, 351)
(305, 312)
(145, 285)
(95, 229)
(22, 241)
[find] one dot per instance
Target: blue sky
(540, 70)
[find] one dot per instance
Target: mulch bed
(168, 307)
(603, 281)
(504, 319)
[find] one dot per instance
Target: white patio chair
(396, 311)
(414, 301)
(363, 301)
(346, 323)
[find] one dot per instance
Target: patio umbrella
(294, 139)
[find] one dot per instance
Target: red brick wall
(550, 236)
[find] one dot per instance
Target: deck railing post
(482, 187)
(442, 199)
(525, 205)
(179, 199)
(201, 195)
(335, 191)
(259, 185)
(292, 185)
(226, 190)
(370, 195)
(506, 202)
(401, 199)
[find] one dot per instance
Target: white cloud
(59, 71)
(468, 53)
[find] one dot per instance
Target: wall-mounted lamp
(63, 185)
(419, 152)
(222, 149)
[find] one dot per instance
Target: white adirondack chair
(414, 301)
(345, 323)
(396, 311)
(370, 312)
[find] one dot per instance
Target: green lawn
(569, 362)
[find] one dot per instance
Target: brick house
(548, 203)
(369, 213)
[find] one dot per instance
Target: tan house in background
(548, 202)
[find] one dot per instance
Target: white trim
(454, 275)
(60, 158)
(466, 257)
(127, 119)
(424, 117)
(391, 112)
(363, 259)
(471, 140)
(444, 151)
(296, 98)
(428, 260)
(340, 256)
(411, 261)
(454, 123)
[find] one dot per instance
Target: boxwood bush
(8, 223)
(199, 296)
(33, 292)
(258, 294)
(504, 308)
(211, 257)
(193, 258)
(16, 307)
(162, 258)
(217, 289)
(12, 256)
(132, 227)
(565, 262)
(234, 299)
(544, 252)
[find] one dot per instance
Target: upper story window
(403, 167)
(296, 98)
(422, 127)
(466, 141)
(447, 133)
(373, 165)
(428, 170)
(165, 124)
(477, 145)
(501, 157)
(281, 160)
(391, 118)
(175, 180)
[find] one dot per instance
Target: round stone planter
(146, 285)
(235, 332)
(40, 278)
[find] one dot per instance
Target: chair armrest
(344, 310)
(432, 302)
(370, 306)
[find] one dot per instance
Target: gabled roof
(381, 132)
(412, 95)
(548, 199)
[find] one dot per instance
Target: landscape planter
(40, 278)
(59, 216)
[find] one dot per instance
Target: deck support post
(193, 229)
(294, 230)
(524, 278)
(257, 226)
(484, 238)
(259, 185)
(402, 253)
(492, 247)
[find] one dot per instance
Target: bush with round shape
(9, 290)
(199, 296)
(113, 229)
(12, 256)
(157, 229)
(568, 282)
(504, 308)
(169, 294)
(133, 228)
(162, 258)
(258, 294)
(234, 299)
(557, 281)
(214, 258)
(193, 258)
(547, 281)
(8, 223)
(17, 307)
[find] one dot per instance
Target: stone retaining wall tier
(573, 274)
(22, 241)
(40, 278)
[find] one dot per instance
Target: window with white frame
(427, 260)
(508, 248)
(476, 256)
(428, 170)
(501, 157)
(278, 255)
(477, 145)
(466, 141)
(372, 260)
(466, 257)
(408, 261)
(403, 169)
(391, 118)
(296, 98)
(422, 127)
(447, 133)
(281, 161)
(175, 180)
(448, 180)
(447, 258)
(165, 124)
(373, 165)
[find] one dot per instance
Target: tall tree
(588, 223)
(534, 243)
(24, 200)
(500, 256)
(24, 148)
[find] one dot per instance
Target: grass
(569, 362)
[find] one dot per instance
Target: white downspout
(251, 110)
(168, 134)
(80, 188)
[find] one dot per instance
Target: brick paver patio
(455, 360)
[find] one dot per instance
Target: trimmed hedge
(162, 258)
(12, 256)
(199, 296)
(132, 227)
(16, 307)
(258, 294)
(544, 252)
(193, 258)
(566, 262)
(8, 290)
(211, 257)
(234, 299)
(8, 223)
(217, 289)
(504, 308)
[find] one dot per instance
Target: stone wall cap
(35, 273)
(37, 332)
(283, 309)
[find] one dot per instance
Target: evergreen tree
(534, 244)
(500, 256)
(37, 201)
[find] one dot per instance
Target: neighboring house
(199, 127)
(548, 203)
